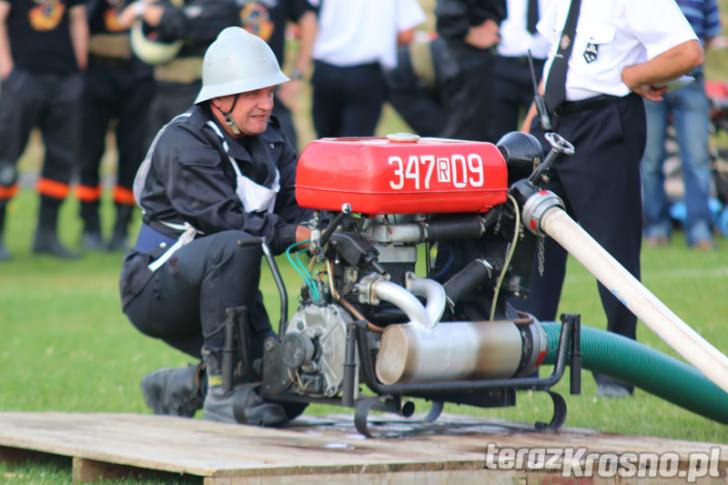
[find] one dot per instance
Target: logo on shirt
(591, 52)
(255, 18)
(565, 42)
(111, 19)
(46, 15)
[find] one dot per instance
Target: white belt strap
(185, 238)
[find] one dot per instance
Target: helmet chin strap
(229, 121)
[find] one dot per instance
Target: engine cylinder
(458, 351)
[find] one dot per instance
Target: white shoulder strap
(141, 176)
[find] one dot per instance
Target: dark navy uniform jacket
(455, 17)
(197, 22)
(191, 180)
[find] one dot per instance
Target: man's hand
(652, 93)
(127, 16)
(647, 91)
(644, 78)
(6, 58)
(303, 233)
(528, 119)
(288, 94)
(484, 35)
(142, 10)
(5, 70)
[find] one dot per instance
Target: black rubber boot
(174, 392)
(119, 235)
(4, 254)
(46, 235)
(250, 408)
(91, 236)
(242, 404)
(611, 387)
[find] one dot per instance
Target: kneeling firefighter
(215, 176)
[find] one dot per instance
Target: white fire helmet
(238, 62)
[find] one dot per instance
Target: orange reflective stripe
(52, 188)
(124, 196)
(85, 193)
(8, 192)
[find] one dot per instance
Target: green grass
(37, 473)
(67, 346)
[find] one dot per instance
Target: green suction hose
(647, 369)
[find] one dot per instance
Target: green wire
(302, 271)
(313, 285)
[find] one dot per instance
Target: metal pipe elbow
(405, 301)
(434, 294)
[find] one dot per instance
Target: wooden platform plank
(450, 450)
(85, 471)
(20, 455)
(459, 477)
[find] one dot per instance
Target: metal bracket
(365, 405)
(559, 416)
(435, 411)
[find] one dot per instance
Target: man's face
(252, 110)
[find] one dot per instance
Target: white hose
(668, 326)
(405, 301)
(434, 294)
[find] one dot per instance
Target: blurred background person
(43, 48)
(687, 109)
(268, 20)
(118, 86)
(512, 83)
(173, 37)
(415, 84)
(356, 41)
(471, 31)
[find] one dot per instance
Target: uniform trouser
(52, 103)
(170, 99)
(467, 96)
(417, 104)
(347, 101)
(184, 302)
(512, 93)
(113, 92)
(689, 109)
(600, 186)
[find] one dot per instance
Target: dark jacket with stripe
(192, 180)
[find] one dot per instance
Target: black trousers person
(347, 101)
(466, 97)
(52, 103)
(115, 89)
(414, 86)
(512, 93)
(170, 100)
(183, 303)
(600, 186)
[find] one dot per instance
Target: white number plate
(417, 172)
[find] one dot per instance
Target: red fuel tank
(401, 174)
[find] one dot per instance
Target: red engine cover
(400, 175)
